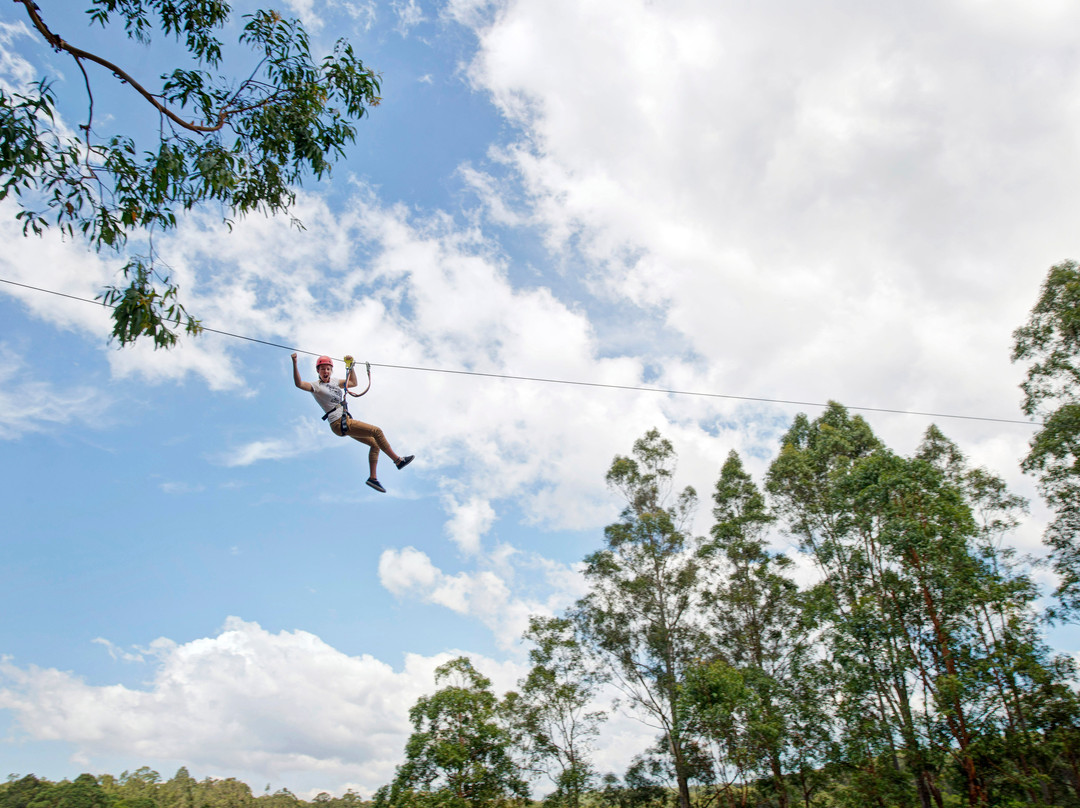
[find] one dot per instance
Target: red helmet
(323, 360)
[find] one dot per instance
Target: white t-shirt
(330, 396)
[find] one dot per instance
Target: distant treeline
(144, 788)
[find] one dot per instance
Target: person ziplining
(332, 395)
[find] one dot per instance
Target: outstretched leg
(372, 436)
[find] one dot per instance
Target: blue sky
(839, 200)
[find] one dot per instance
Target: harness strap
(344, 423)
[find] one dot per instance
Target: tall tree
(457, 755)
(920, 602)
(642, 612)
(818, 484)
(242, 143)
(1018, 690)
(550, 716)
(746, 699)
(1050, 344)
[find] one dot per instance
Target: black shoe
(373, 483)
(402, 462)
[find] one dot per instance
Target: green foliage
(1050, 344)
(549, 718)
(752, 702)
(82, 792)
(242, 143)
(20, 792)
(929, 630)
(458, 754)
(144, 788)
(639, 788)
(645, 592)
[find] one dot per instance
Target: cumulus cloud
(247, 700)
(497, 594)
(823, 208)
(469, 522)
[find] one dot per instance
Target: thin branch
(89, 112)
(78, 53)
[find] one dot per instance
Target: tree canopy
(906, 668)
(457, 755)
(1050, 344)
(243, 142)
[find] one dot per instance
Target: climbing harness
(343, 424)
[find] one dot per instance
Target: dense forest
(905, 666)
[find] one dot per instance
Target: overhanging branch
(78, 53)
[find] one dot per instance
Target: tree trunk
(778, 780)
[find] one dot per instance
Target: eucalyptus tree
(1027, 712)
(1050, 345)
(817, 483)
(458, 753)
(926, 617)
(745, 699)
(642, 613)
(241, 143)
(549, 715)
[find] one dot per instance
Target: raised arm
(296, 376)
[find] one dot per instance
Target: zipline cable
(543, 380)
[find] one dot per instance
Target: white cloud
(402, 570)
(824, 208)
(30, 403)
(496, 594)
(315, 15)
(54, 264)
(246, 700)
(305, 12)
(16, 73)
(119, 653)
(373, 272)
(364, 13)
(409, 15)
(468, 523)
(304, 438)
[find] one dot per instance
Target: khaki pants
(367, 434)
